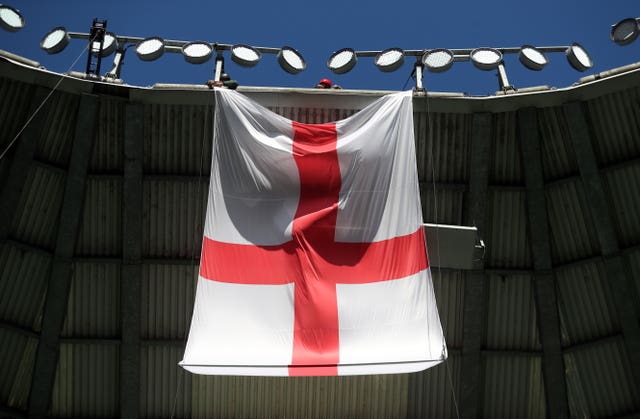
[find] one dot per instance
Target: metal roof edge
(622, 78)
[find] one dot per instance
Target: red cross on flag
(313, 258)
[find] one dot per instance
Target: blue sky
(317, 29)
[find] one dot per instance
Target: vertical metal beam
(21, 159)
(619, 281)
(474, 313)
(55, 307)
(546, 298)
(131, 274)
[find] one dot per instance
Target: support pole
(546, 297)
(55, 307)
(474, 295)
(131, 273)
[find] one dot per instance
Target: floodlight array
(626, 31)
(340, 62)
(10, 19)
(152, 48)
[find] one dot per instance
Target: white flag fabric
(313, 257)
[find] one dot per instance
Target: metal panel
(506, 166)
(87, 381)
(570, 224)
(92, 310)
(511, 313)
(371, 396)
(435, 393)
(513, 387)
(583, 303)
(55, 142)
(177, 139)
(14, 108)
(23, 283)
(444, 206)
(165, 388)
(633, 258)
(449, 290)
(443, 143)
(558, 160)
(17, 355)
(507, 241)
(101, 226)
(173, 217)
(599, 381)
(168, 293)
(616, 126)
(623, 189)
(108, 147)
(36, 217)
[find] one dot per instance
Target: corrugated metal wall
(176, 159)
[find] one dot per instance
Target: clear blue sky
(317, 29)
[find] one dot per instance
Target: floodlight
(245, 55)
(389, 60)
(486, 58)
(625, 31)
(438, 60)
(10, 19)
(342, 60)
(197, 52)
(578, 57)
(56, 40)
(109, 45)
(150, 49)
(291, 61)
(532, 58)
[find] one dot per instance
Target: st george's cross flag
(313, 257)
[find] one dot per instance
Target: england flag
(313, 257)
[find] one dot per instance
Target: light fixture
(55, 40)
(438, 60)
(532, 58)
(625, 31)
(150, 49)
(578, 57)
(109, 45)
(197, 52)
(290, 60)
(245, 55)
(486, 58)
(10, 19)
(389, 60)
(342, 60)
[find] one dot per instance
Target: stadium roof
(102, 198)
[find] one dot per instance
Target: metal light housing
(150, 49)
(578, 57)
(197, 52)
(55, 40)
(532, 58)
(389, 60)
(109, 45)
(10, 19)
(438, 60)
(291, 60)
(486, 58)
(245, 55)
(342, 60)
(625, 31)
